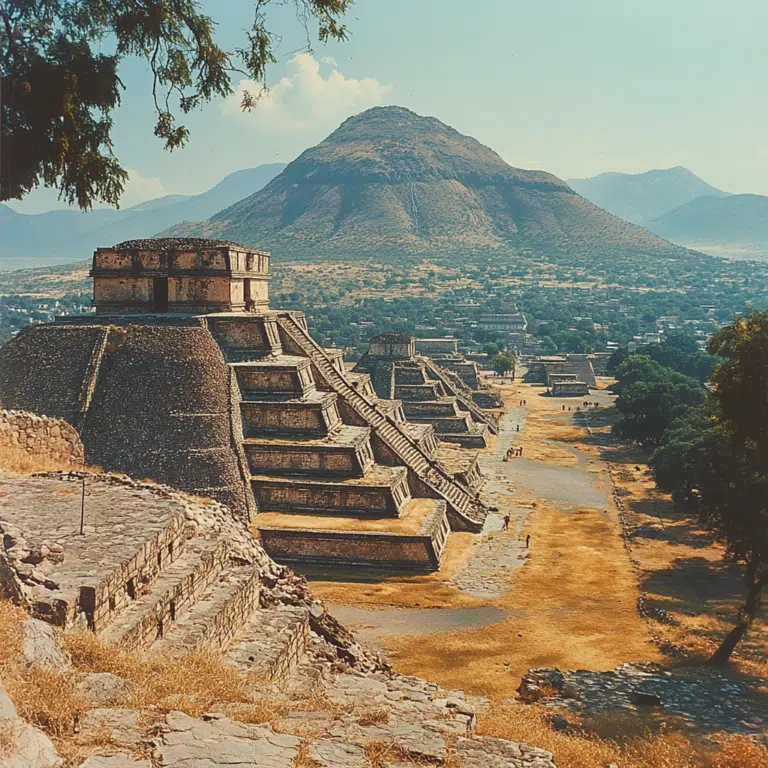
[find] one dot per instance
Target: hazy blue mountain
(64, 235)
(736, 225)
(641, 197)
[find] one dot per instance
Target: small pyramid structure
(185, 375)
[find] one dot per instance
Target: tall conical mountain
(391, 180)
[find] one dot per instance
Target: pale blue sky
(574, 87)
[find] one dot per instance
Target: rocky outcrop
(702, 696)
(23, 746)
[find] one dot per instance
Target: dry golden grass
(573, 605)
(190, 684)
(304, 759)
(7, 736)
(22, 462)
(630, 746)
(373, 716)
(740, 752)
(683, 571)
(11, 635)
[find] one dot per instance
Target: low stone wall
(421, 552)
(41, 435)
(389, 551)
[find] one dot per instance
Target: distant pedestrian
(528, 541)
(505, 527)
(521, 450)
(518, 428)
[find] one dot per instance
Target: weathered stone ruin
(186, 376)
(564, 375)
(42, 436)
(463, 373)
(155, 570)
(427, 393)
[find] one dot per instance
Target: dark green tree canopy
(58, 88)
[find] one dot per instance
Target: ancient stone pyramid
(185, 376)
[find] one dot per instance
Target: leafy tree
(548, 347)
(651, 397)
(502, 363)
(59, 81)
(738, 511)
(492, 348)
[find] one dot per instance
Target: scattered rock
(24, 745)
(190, 743)
(103, 689)
(336, 753)
(122, 725)
(123, 760)
(645, 698)
(559, 723)
(42, 647)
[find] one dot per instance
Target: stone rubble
(703, 696)
(29, 747)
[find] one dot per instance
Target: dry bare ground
(574, 604)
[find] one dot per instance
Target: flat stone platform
(415, 512)
(45, 514)
(412, 542)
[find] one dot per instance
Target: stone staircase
(198, 598)
(466, 512)
(465, 400)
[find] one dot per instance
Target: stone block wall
(42, 436)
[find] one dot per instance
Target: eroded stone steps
(316, 414)
(271, 643)
(466, 512)
(445, 407)
(381, 492)
(174, 591)
(287, 376)
(216, 617)
(346, 452)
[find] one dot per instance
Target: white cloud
(140, 188)
(313, 93)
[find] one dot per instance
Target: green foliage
(715, 459)
(502, 363)
(651, 397)
(59, 75)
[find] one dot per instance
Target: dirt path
(573, 604)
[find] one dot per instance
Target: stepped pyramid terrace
(429, 394)
(463, 374)
(186, 376)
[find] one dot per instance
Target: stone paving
(417, 721)
(703, 697)
(497, 552)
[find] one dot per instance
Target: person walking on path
(528, 541)
(505, 527)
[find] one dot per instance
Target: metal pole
(82, 510)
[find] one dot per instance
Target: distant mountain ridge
(391, 180)
(642, 197)
(736, 225)
(68, 234)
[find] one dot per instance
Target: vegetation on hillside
(390, 182)
(711, 452)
